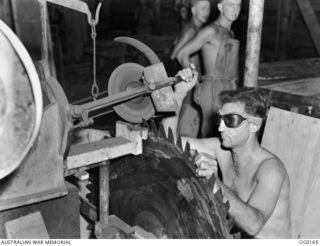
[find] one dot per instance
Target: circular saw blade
(159, 192)
(21, 101)
(127, 76)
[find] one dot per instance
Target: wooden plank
(303, 87)
(271, 72)
(94, 152)
(29, 226)
(311, 21)
(60, 215)
(295, 139)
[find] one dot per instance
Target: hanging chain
(94, 88)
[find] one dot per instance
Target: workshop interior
(83, 91)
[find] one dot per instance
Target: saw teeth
(224, 210)
(89, 197)
(229, 224)
(227, 205)
(211, 182)
(218, 195)
(179, 142)
(162, 133)
(170, 136)
(145, 123)
(186, 151)
(154, 128)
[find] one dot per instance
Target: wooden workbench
(294, 85)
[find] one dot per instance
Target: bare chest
(243, 185)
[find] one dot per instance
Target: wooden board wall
(295, 139)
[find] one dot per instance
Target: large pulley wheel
(20, 101)
(128, 76)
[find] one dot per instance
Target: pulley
(20, 101)
(125, 77)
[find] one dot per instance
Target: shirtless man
(189, 122)
(200, 10)
(218, 76)
(254, 181)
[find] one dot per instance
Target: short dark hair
(256, 101)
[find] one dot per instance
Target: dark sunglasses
(230, 120)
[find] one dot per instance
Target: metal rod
(253, 42)
(77, 110)
(104, 192)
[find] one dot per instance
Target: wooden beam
(278, 27)
(256, 8)
(284, 29)
(311, 20)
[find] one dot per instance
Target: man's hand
(206, 165)
(190, 78)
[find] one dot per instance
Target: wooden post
(104, 193)
(284, 29)
(253, 42)
(310, 18)
(278, 28)
(292, 22)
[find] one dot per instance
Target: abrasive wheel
(159, 192)
(124, 77)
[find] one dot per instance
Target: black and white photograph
(159, 119)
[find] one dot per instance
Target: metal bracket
(80, 7)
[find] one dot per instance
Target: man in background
(220, 53)
(189, 122)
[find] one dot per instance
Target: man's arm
(190, 78)
(208, 145)
(194, 45)
(251, 216)
(185, 37)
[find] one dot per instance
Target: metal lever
(77, 111)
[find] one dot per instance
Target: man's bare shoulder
(188, 31)
(271, 167)
(207, 31)
(209, 34)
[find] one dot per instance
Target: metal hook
(93, 22)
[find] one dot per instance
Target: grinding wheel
(127, 76)
(20, 101)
